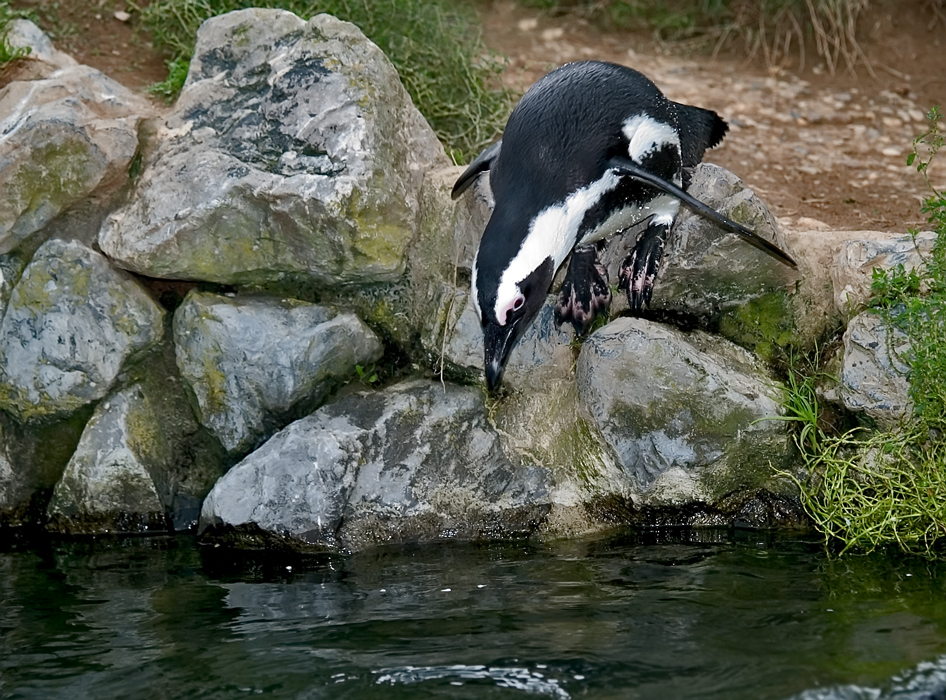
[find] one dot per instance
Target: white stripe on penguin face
(552, 234)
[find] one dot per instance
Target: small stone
(122, 16)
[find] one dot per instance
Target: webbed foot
(585, 292)
(639, 269)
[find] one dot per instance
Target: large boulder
(71, 325)
(689, 417)
(254, 364)
(108, 485)
(292, 152)
(66, 144)
(418, 462)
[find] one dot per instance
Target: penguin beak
(498, 342)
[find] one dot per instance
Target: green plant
(169, 89)
(869, 488)
(8, 52)
(367, 375)
(435, 45)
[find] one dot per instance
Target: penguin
(591, 149)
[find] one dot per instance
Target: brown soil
(819, 148)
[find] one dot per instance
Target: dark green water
(698, 615)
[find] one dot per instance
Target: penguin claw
(639, 269)
(585, 293)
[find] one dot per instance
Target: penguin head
(508, 294)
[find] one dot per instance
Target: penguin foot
(639, 269)
(585, 292)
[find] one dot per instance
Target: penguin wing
(482, 163)
(627, 167)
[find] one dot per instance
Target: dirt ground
(822, 150)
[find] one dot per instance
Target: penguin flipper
(628, 167)
(482, 163)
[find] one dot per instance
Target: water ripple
(515, 678)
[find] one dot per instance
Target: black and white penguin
(592, 149)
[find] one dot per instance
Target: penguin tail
(700, 129)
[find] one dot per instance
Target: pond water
(694, 614)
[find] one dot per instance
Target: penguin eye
(518, 302)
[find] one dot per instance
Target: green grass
(871, 488)
(436, 46)
(7, 52)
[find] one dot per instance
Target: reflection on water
(682, 615)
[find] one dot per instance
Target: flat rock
(858, 257)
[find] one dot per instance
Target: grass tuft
(772, 29)
(436, 46)
(869, 488)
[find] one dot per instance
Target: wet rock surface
(418, 462)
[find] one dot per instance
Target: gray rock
(71, 324)
(544, 352)
(417, 462)
(706, 268)
(255, 363)
(854, 265)
(21, 33)
(108, 485)
(32, 459)
(873, 374)
(717, 277)
(685, 414)
(66, 144)
(293, 151)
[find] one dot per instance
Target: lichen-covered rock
(417, 462)
(256, 363)
(874, 373)
(685, 414)
(865, 251)
(108, 485)
(66, 144)
(293, 151)
(71, 324)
